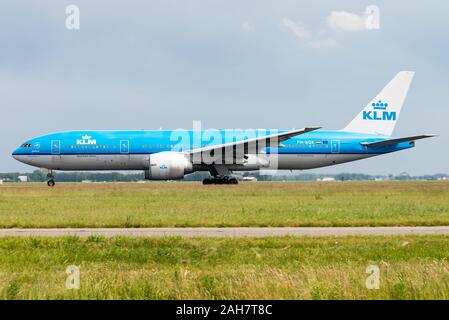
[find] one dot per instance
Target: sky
(230, 64)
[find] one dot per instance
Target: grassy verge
(248, 204)
(412, 267)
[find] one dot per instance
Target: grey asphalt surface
(228, 232)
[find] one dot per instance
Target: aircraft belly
(310, 161)
(139, 162)
(303, 161)
(91, 162)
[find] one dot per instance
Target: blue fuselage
(149, 142)
(129, 150)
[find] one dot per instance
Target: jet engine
(255, 162)
(168, 165)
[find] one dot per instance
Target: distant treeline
(39, 176)
(79, 176)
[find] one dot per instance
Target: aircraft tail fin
(382, 112)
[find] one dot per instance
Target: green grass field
(248, 204)
(412, 267)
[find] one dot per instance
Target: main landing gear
(51, 180)
(221, 180)
(221, 175)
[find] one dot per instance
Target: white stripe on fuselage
(141, 162)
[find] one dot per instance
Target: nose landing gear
(51, 180)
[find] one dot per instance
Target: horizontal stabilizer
(389, 142)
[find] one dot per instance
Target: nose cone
(15, 153)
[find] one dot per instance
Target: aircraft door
(124, 146)
(55, 146)
(335, 146)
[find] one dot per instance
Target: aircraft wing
(388, 142)
(271, 140)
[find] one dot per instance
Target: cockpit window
(26, 145)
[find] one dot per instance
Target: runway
(255, 232)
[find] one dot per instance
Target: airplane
(172, 154)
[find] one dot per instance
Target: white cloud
(345, 21)
(307, 38)
(248, 26)
(339, 21)
(296, 28)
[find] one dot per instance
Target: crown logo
(379, 105)
(86, 137)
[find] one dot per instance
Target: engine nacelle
(255, 162)
(168, 165)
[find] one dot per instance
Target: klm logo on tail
(379, 112)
